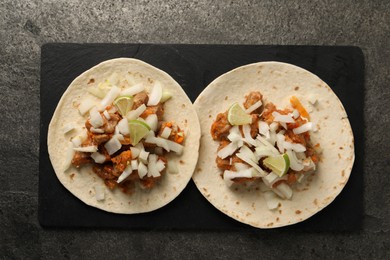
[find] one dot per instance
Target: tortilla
(277, 82)
(82, 182)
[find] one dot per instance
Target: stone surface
(26, 25)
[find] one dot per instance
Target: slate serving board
(194, 67)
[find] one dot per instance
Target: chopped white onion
(134, 114)
(267, 144)
(160, 165)
(295, 164)
(155, 95)
(134, 164)
(143, 156)
(96, 119)
(264, 129)
(110, 97)
(172, 167)
(152, 121)
(253, 107)
(173, 146)
(263, 151)
(133, 90)
(294, 146)
(284, 125)
(285, 190)
(249, 157)
(282, 118)
(280, 142)
(113, 145)
(119, 137)
(273, 126)
(227, 150)
(303, 128)
(271, 199)
(312, 99)
(126, 173)
(152, 166)
(98, 157)
(86, 105)
(107, 115)
(160, 142)
(165, 96)
(309, 165)
(112, 110)
(166, 132)
(123, 126)
(68, 127)
(134, 152)
(96, 130)
(99, 192)
(241, 166)
(247, 135)
(69, 156)
(295, 114)
(86, 149)
(77, 141)
(247, 173)
(270, 179)
(142, 170)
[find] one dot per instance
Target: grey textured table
(26, 25)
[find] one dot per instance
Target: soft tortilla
(277, 82)
(82, 182)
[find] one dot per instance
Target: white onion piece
(99, 192)
(303, 128)
(86, 149)
(143, 156)
(253, 107)
(285, 190)
(112, 145)
(312, 99)
(247, 135)
(272, 138)
(96, 130)
(227, 181)
(123, 126)
(86, 105)
(155, 95)
(116, 131)
(126, 173)
(282, 118)
(172, 167)
(161, 142)
(263, 151)
(165, 96)
(119, 137)
(109, 98)
(112, 110)
(134, 152)
(234, 137)
(241, 166)
(294, 146)
(96, 119)
(247, 173)
(280, 142)
(142, 170)
(152, 160)
(271, 199)
(309, 165)
(68, 127)
(295, 164)
(175, 147)
(273, 126)
(133, 90)
(270, 179)
(134, 164)
(295, 114)
(152, 121)
(268, 145)
(264, 129)
(77, 141)
(247, 156)
(166, 132)
(134, 114)
(160, 165)
(284, 125)
(106, 115)
(68, 156)
(227, 150)
(98, 157)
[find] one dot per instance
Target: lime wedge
(138, 130)
(237, 115)
(123, 104)
(278, 164)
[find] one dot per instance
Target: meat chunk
(267, 113)
(106, 172)
(81, 158)
(221, 126)
(121, 161)
(139, 99)
(176, 135)
(99, 139)
(158, 110)
(251, 99)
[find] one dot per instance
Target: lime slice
(278, 164)
(123, 104)
(138, 130)
(237, 115)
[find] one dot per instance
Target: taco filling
(260, 142)
(126, 138)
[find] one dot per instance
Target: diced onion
(175, 147)
(96, 119)
(295, 114)
(86, 149)
(143, 156)
(280, 142)
(165, 96)
(294, 146)
(264, 129)
(166, 132)
(133, 90)
(77, 141)
(112, 145)
(273, 126)
(282, 118)
(134, 164)
(99, 192)
(68, 127)
(161, 142)
(270, 179)
(253, 107)
(69, 156)
(134, 114)
(271, 199)
(134, 152)
(247, 156)
(96, 130)
(247, 173)
(152, 121)
(160, 165)
(227, 150)
(152, 166)
(107, 115)
(268, 145)
(142, 170)
(241, 166)
(110, 97)
(126, 173)
(295, 164)
(303, 128)
(263, 151)
(123, 126)
(172, 167)
(285, 190)
(155, 95)
(98, 157)
(120, 137)
(308, 165)
(247, 135)
(86, 105)
(312, 99)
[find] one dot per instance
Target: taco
(277, 146)
(124, 137)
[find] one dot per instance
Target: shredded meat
(220, 128)
(81, 158)
(267, 113)
(251, 99)
(139, 99)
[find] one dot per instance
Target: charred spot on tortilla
(92, 80)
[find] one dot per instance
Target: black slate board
(194, 67)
